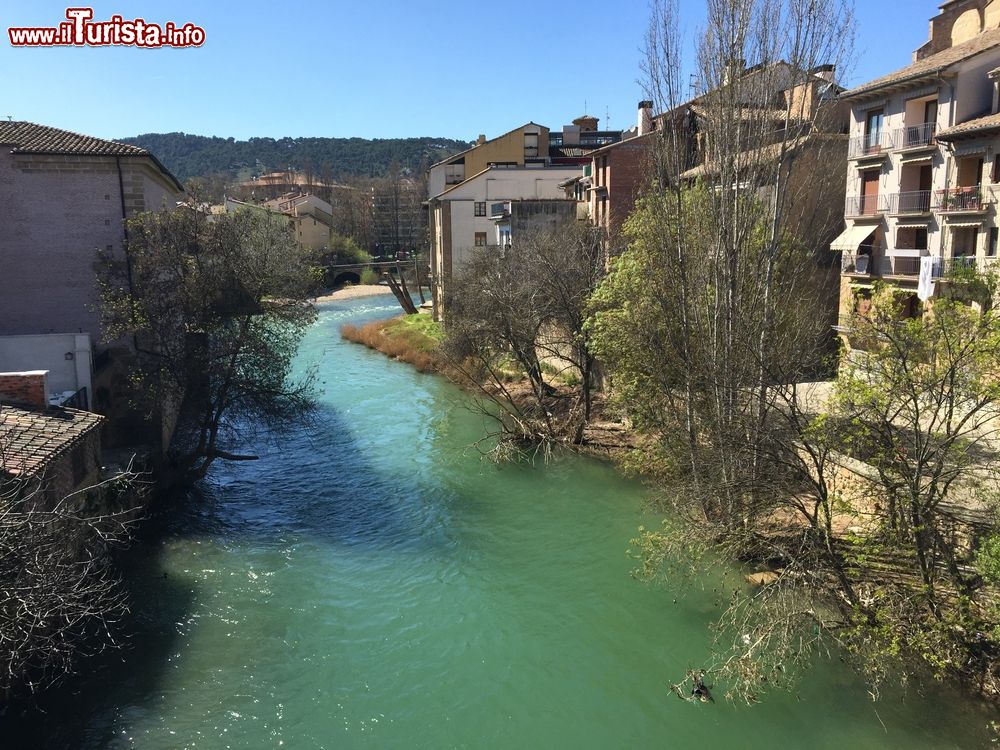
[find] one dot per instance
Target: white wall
(48, 352)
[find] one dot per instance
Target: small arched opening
(347, 277)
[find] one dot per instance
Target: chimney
(645, 117)
(29, 388)
(571, 135)
(481, 139)
(826, 72)
(995, 77)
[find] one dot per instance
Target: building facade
(923, 167)
(63, 197)
(529, 163)
(460, 220)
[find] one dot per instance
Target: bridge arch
(347, 277)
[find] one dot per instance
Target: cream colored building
(309, 217)
(923, 163)
(526, 144)
(460, 216)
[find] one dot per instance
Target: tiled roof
(932, 64)
(970, 127)
(31, 438)
(29, 138)
(769, 153)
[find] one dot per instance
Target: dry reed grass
(395, 342)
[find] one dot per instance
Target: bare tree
(60, 595)
(516, 328)
(713, 308)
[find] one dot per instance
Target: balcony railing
(915, 136)
(900, 265)
(78, 400)
(959, 199)
(861, 264)
(865, 205)
(944, 266)
(874, 143)
(913, 202)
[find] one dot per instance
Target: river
(373, 583)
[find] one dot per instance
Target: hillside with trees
(195, 155)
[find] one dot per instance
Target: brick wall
(30, 388)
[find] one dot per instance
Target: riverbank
(416, 340)
(355, 291)
(370, 569)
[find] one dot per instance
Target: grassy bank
(409, 338)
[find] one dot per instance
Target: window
(964, 241)
(995, 177)
(992, 249)
(480, 208)
(911, 238)
(873, 130)
(480, 239)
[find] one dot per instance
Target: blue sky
(375, 68)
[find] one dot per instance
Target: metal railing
(959, 199)
(865, 205)
(78, 400)
(861, 264)
(944, 266)
(912, 202)
(901, 265)
(875, 143)
(915, 136)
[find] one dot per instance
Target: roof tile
(30, 138)
(31, 438)
(932, 64)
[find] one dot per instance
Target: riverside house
(63, 197)
(528, 163)
(923, 163)
(56, 447)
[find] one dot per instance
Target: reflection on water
(370, 582)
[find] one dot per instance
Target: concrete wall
(48, 352)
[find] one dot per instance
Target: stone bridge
(350, 273)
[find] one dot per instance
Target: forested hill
(197, 155)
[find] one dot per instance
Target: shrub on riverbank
(411, 338)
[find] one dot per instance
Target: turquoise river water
(374, 584)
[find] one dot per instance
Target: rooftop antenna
(607, 118)
(692, 85)
(584, 106)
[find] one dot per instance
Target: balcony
(915, 136)
(872, 145)
(901, 265)
(499, 211)
(909, 203)
(857, 264)
(865, 205)
(959, 199)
